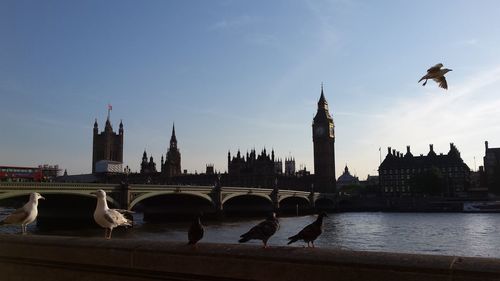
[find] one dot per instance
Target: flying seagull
(263, 231)
(196, 231)
(109, 218)
(436, 73)
(25, 215)
(310, 232)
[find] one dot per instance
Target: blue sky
(246, 74)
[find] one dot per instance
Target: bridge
(173, 199)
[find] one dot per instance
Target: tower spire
(173, 138)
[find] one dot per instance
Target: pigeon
(109, 218)
(25, 215)
(263, 231)
(436, 73)
(310, 232)
(196, 231)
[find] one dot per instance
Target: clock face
(319, 131)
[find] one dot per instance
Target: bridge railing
(138, 187)
(43, 185)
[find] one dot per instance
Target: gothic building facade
(107, 145)
(407, 175)
(172, 165)
(253, 164)
(147, 167)
(323, 131)
(290, 166)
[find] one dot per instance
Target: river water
(426, 233)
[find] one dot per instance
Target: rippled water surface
(429, 233)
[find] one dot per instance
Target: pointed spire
(173, 138)
(322, 103)
(120, 130)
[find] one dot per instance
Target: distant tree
(430, 182)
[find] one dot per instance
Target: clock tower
(324, 148)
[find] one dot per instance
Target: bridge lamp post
(127, 172)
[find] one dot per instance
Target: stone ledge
(63, 258)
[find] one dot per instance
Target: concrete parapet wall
(54, 258)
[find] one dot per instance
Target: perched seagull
(263, 231)
(196, 231)
(25, 215)
(310, 232)
(109, 218)
(436, 73)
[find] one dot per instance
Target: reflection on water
(430, 233)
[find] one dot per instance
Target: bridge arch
(294, 196)
(293, 204)
(234, 195)
(144, 196)
(247, 204)
(7, 195)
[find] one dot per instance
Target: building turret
(173, 139)
(120, 130)
(172, 165)
(96, 129)
(107, 145)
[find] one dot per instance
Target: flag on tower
(110, 107)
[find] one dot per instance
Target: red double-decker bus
(12, 173)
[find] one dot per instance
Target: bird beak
(451, 69)
(41, 197)
(94, 193)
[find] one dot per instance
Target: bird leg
(110, 230)
(106, 233)
(312, 242)
(23, 229)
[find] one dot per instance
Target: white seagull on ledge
(25, 215)
(109, 218)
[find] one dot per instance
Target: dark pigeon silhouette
(263, 231)
(310, 232)
(196, 231)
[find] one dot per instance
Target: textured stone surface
(41, 258)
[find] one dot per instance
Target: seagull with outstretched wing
(436, 73)
(109, 218)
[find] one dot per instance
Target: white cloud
(466, 114)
